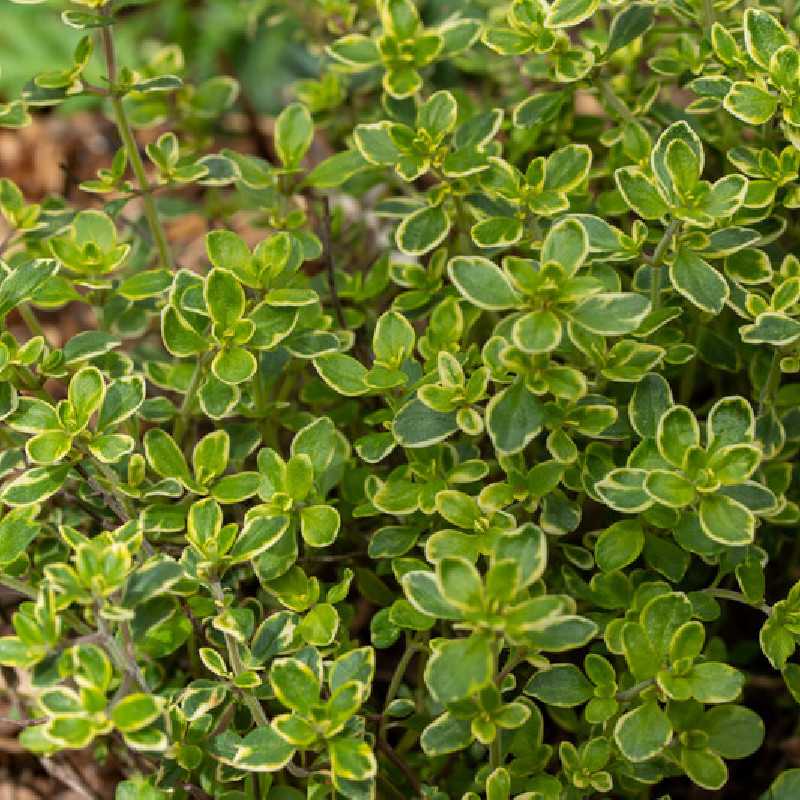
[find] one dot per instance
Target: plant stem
(515, 658)
(768, 389)
(182, 420)
(496, 747)
(412, 648)
(708, 16)
(126, 134)
(658, 259)
(17, 585)
(727, 594)
(330, 267)
(114, 503)
(31, 322)
(257, 712)
(634, 691)
(124, 661)
(611, 98)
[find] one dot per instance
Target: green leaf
(417, 425)
(566, 13)
(763, 36)
(355, 50)
(559, 634)
(224, 298)
(640, 193)
(704, 767)
(676, 434)
(399, 17)
(48, 447)
(234, 365)
(85, 394)
(628, 24)
(700, 283)
(643, 732)
(623, 490)
(424, 593)
(735, 463)
(263, 750)
(733, 731)
(180, 338)
(337, 169)
(138, 788)
(730, 421)
(651, 398)
(17, 530)
(619, 545)
(457, 668)
(342, 373)
(749, 103)
(122, 400)
(497, 232)
(513, 418)
(560, 685)
(423, 230)
(258, 535)
(351, 759)
(771, 328)
(320, 625)
(136, 711)
(777, 643)
(294, 131)
(726, 521)
(35, 485)
(460, 583)
(713, 682)
(23, 282)
(611, 313)
(669, 488)
(537, 332)
(567, 244)
(210, 456)
(151, 579)
(483, 283)
(376, 145)
(726, 196)
(437, 115)
(539, 109)
(355, 665)
(164, 456)
(446, 734)
(295, 684)
(227, 251)
(319, 525)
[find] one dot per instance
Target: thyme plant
(464, 462)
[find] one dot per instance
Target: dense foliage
(469, 468)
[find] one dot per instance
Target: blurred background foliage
(261, 42)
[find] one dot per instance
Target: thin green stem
(31, 321)
(658, 259)
(770, 383)
(496, 747)
(126, 133)
(116, 501)
(252, 703)
(708, 17)
(185, 413)
(412, 648)
(515, 658)
(17, 585)
(727, 594)
(634, 691)
(613, 101)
